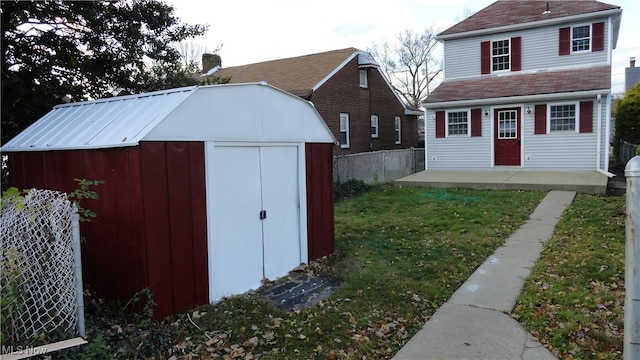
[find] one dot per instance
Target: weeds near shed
(124, 331)
(10, 294)
(84, 192)
(350, 188)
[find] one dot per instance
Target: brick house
(349, 91)
(527, 85)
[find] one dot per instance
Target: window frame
(364, 78)
(508, 55)
(398, 130)
(576, 117)
(500, 134)
(345, 130)
(447, 124)
(571, 39)
(375, 134)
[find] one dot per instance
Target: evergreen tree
(628, 118)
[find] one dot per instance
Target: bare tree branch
(410, 64)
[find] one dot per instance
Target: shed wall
(320, 224)
(150, 229)
(175, 223)
(113, 264)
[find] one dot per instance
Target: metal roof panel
(111, 122)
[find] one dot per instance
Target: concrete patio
(590, 182)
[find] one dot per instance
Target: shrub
(628, 118)
(349, 188)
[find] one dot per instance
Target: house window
(581, 38)
(507, 124)
(398, 130)
(562, 117)
(364, 80)
(374, 126)
(500, 55)
(458, 123)
(344, 130)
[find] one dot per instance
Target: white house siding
(458, 152)
(561, 151)
(539, 51)
(462, 58)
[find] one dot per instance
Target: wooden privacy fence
(378, 166)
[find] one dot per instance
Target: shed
(208, 189)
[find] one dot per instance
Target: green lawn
(574, 298)
(400, 253)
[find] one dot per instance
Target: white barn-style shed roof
(197, 113)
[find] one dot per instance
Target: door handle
(263, 214)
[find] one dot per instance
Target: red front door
(507, 136)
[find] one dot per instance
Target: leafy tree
(410, 63)
(628, 118)
(81, 50)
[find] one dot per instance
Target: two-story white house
(527, 85)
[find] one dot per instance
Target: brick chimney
(209, 61)
(632, 62)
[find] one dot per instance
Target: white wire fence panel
(37, 268)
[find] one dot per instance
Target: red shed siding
(175, 220)
(319, 200)
(342, 94)
(111, 255)
(150, 229)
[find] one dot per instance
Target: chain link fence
(40, 273)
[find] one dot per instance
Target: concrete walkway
(475, 322)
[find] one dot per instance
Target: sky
(252, 31)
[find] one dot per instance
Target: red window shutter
(440, 124)
(485, 57)
(540, 126)
(586, 116)
(565, 41)
(516, 53)
(598, 36)
(476, 122)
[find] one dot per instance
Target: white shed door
(250, 183)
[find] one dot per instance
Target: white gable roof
(231, 112)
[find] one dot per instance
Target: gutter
(599, 133)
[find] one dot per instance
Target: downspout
(599, 141)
